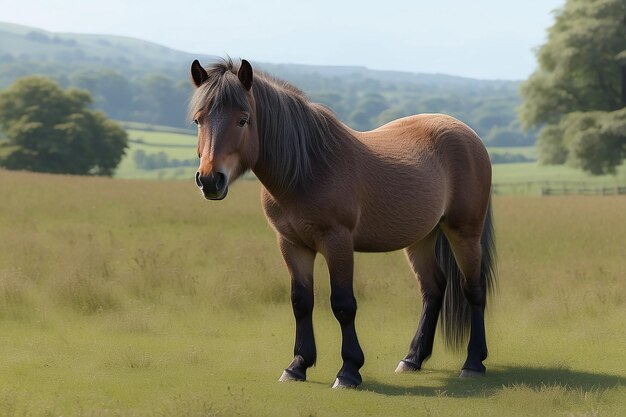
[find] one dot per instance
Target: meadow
(521, 178)
(175, 144)
(138, 298)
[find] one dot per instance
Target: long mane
(295, 134)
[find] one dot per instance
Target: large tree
(52, 130)
(578, 93)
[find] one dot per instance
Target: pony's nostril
(220, 181)
(214, 186)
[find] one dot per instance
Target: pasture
(140, 298)
(524, 178)
(175, 144)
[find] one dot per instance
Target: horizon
(496, 51)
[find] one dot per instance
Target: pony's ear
(245, 74)
(198, 74)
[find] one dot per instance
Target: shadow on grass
(496, 379)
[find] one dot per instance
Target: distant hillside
(27, 43)
(23, 43)
(140, 81)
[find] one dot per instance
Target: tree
(52, 130)
(581, 84)
(111, 92)
(507, 136)
(163, 101)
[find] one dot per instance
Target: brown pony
(421, 183)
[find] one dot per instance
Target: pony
(420, 183)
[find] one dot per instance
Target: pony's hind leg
(421, 256)
(467, 250)
(300, 262)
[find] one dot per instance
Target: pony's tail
(455, 310)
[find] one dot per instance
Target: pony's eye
(242, 122)
(195, 121)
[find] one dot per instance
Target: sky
(484, 39)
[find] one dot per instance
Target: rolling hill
(139, 81)
(128, 55)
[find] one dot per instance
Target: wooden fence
(549, 188)
(584, 191)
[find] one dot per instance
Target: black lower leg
(422, 344)
(477, 346)
(304, 348)
(344, 308)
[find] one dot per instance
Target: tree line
(575, 101)
(577, 96)
(159, 160)
(361, 102)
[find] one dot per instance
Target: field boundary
(553, 188)
(545, 191)
(161, 145)
(146, 127)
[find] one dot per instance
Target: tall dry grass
(92, 244)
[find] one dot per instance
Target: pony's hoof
(287, 377)
(468, 373)
(405, 366)
(341, 383)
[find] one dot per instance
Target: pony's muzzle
(213, 186)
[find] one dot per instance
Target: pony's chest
(296, 225)
(295, 228)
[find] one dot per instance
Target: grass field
(139, 298)
(175, 144)
(529, 152)
(525, 178)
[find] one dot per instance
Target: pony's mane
(295, 134)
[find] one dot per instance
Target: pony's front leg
(338, 250)
(300, 262)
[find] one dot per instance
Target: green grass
(149, 127)
(530, 177)
(533, 172)
(175, 144)
(516, 178)
(529, 152)
(139, 298)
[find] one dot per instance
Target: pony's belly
(398, 221)
(372, 246)
(390, 236)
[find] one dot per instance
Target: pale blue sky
(487, 39)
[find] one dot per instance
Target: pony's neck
(296, 137)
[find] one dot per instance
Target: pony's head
(224, 110)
